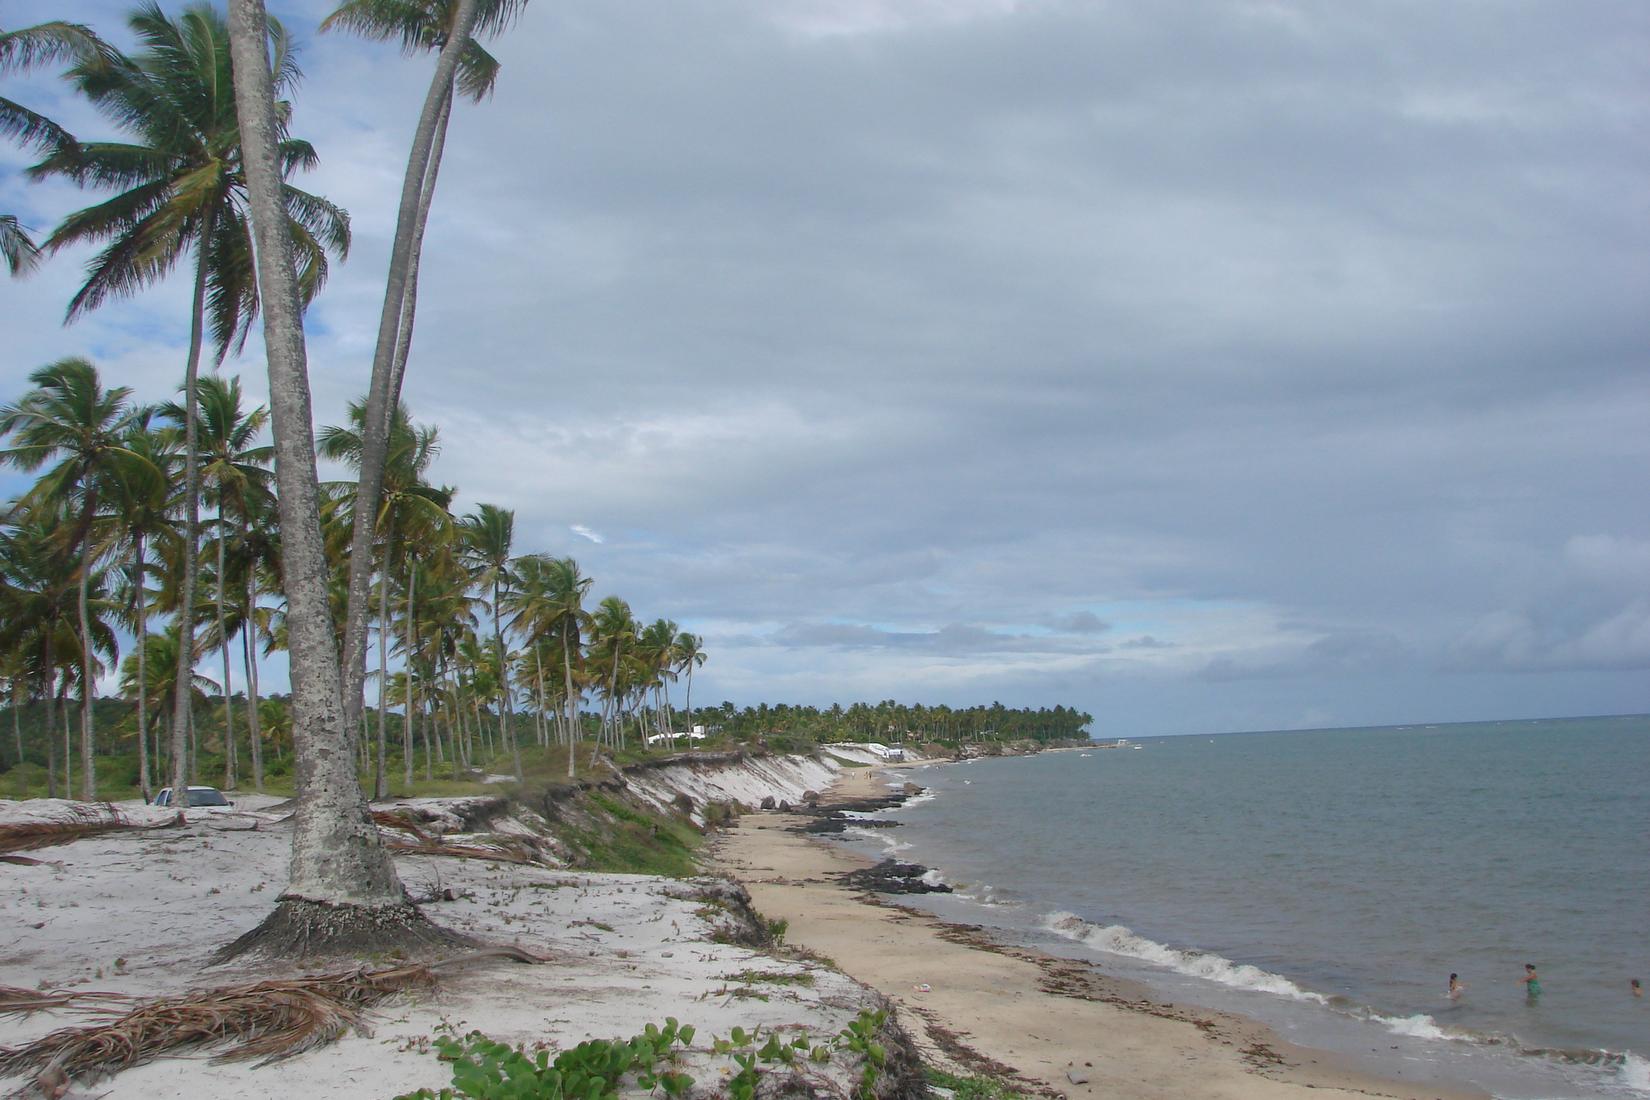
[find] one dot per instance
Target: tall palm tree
(182, 187)
(656, 651)
(145, 513)
(488, 534)
(38, 602)
(613, 635)
(448, 27)
(69, 419)
(689, 654)
(537, 608)
(20, 50)
(343, 888)
(408, 505)
(237, 470)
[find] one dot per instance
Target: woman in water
(1456, 987)
(1532, 981)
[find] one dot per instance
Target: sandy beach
(1056, 1026)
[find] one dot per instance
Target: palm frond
(16, 246)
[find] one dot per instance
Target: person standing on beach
(1532, 982)
(1456, 987)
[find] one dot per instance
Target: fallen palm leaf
(400, 819)
(14, 1000)
(460, 851)
(266, 1020)
(27, 835)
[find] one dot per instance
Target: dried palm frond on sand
(400, 819)
(23, 836)
(16, 1001)
(265, 1020)
(512, 854)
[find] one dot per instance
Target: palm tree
(613, 634)
(184, 188)
(20, 50)
(689, 654)
(447, 26)
(38, 601)
(656, 653)
(146, 675)
(406, 506)
(236, 467)
(545, 605)
(145, 514)
(343, 888)
(488, 534)
(68, 418)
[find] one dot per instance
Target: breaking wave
(1118, 940)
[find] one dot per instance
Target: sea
(1328, 882)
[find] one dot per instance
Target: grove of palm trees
(172, 543)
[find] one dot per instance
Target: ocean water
(1328, 882)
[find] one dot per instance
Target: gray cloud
(900, 347)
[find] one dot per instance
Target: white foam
(1418, 1026)
(880, 836)
(1635, 1073)
(1118, 940)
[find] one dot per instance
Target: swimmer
(1532, 981)
(1456, 987)
(1638, 990)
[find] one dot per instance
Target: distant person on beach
(1638, 990)
(1532, 981)
(1456, 987)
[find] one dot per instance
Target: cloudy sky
(1208, 366)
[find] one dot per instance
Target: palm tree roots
(299, 928)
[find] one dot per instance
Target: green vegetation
(612, 834)
(484, 1069)
(971, 1088)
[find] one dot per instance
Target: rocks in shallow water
(768, 802)
(834, 819)
(892, 877)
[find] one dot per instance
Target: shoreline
(1051, 1025)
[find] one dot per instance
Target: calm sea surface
(1328, 882)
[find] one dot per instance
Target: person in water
(1638, 990)
(1532, 981)
(1456, 987)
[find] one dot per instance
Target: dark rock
(892, 877)
(768, 802)
(811, 797)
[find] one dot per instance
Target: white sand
(140, 912)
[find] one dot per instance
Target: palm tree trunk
(184, 679)
(572, 705)
(50, 737)
(407, 703)
(229, 762)
(249, 648)
(88, 788)
(17, 721)
(380, 403)
(506, 730)
(409, 303)
(142, 609)
(339, 865)
(380, 782)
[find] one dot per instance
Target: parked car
(198, 796)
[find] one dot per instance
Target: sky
(1206, 366)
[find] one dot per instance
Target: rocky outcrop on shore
(892, 877)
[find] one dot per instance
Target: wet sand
(1055, 1026)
